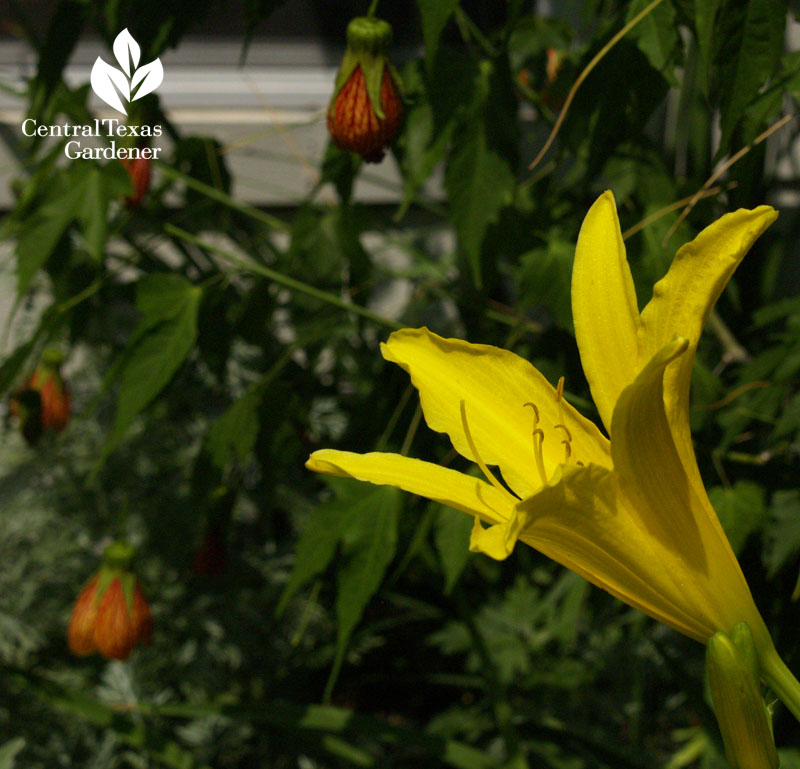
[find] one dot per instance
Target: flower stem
(372, 8)
(781, 681)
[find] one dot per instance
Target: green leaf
(656, 34)
(750, 35)
(368, 546)
(41, 232)
(784, 534)
(479, 183)
(100, 186)
(544, 279)
(451, 536)
(82, 191)
(705, 14)
(64, 31)
(741, 510)
(8, 752)
(322, 532)
(235, 432)
(789, 421)
(424, 150)
(160, 343)
(434, 15)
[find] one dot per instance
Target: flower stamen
(537, 445)
(477, 457)
(567, 442)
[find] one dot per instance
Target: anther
(567, 441)
(537, 445)
(560, 388)
(566, 430)
(535, 411)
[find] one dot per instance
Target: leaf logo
(132, 81)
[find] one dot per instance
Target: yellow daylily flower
(629, 514)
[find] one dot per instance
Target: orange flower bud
(366, 109)
(43, 402)
(80, 634)
(555, 61)
(139, 171)
(111, 615)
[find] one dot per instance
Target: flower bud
(111, 615)
(211, 557)
(139, 171)
(366, 108)
(743, 717)
(43, 403)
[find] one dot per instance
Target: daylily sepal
(743, 717)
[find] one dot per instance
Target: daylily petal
(495, 385)
(669, 509)
(441, 484)
(604, 307)
(498, 540)
(579, 522)
(682, 301)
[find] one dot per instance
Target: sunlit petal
(604, 307)
(579, 522)
(668, 507)
(682, 301)
(457, 490)
(495, 386)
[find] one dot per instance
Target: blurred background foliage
(211, 345)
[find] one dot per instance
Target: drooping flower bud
(211, 556)
(111, 615)
(743, 717)
(366, 108)
(43, 403)
(554, 63)
(139, 171)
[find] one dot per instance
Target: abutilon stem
(781, 680)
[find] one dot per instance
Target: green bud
(743, 717)
(368, 35)
(52, 357)
(118, 555)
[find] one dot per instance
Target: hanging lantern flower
(139, 171)
(111, 615)
(366, 109)
(43, 403)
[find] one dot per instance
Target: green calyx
(373, 36)
(52, 357)
(368, 43)
(744, 719)
(118, 555)
(116, 565)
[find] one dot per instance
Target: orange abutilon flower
(139, 171)
(366, 109)
(43, 403)
(111, 615)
